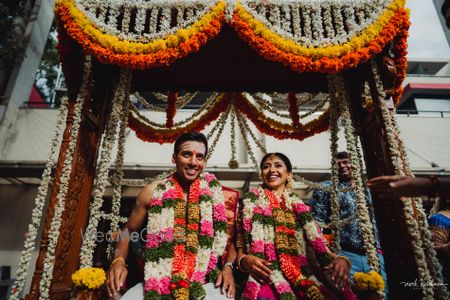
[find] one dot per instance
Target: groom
(186, 232)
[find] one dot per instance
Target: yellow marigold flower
(91, 278)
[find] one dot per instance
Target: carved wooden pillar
(395, 240)
(81, 180)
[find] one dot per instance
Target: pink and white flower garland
(161, 239)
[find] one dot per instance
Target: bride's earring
(289, 184)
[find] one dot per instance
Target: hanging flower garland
(281, 130)
(335, 217)
(218, 127)
(171, 108)
(293, 109)
(399, 49)
(427, 263)
(425, 232)
(323, 60)
(117, 177)
(181, 100)
(36, 215)
(110, 50)
(355, 159)
(279, 235)
(149, 133)
(121, 94)
(70, 55)
(233, 163)
(53, 235)
(178, 262)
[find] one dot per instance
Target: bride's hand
(257, 267)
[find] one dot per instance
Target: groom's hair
(190, 136)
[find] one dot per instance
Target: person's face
(344, 169)
(275, 174)
(190, 160)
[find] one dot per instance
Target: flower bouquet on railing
(87, 282)
(369, 286)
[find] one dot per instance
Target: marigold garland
(265, 124)
(70, 54)
(163, 53)
(323, 64)
(399, 49)
(292, 47)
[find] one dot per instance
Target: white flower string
(126, 18)
(53, 233)
(118, 175)
(335, 205)
(166, 17)
(296, 22)
(275, 109)
(110, 217)
(275, 16)
(180, 14)
(141, 100)
(352, 147)
(306, 16)
(328, 21)
(246, 141)
(419, 231)
(141, 14)
(349, 18)
(233, 163)
(36, 215)
(153, 22)
(286, 23)
(247, 129)
(317, 23)
(338, 19)
(212, 99)
(218, 127)
(121, 94)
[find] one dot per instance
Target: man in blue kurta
(351, 240)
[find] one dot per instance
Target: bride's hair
(281, 156)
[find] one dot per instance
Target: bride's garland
(272, 230)
(182, 252)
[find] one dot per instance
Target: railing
(423, 113)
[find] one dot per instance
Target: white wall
(428, 137)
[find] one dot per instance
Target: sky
(426, 36)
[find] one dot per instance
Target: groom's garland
(181, 252)
(272, 230)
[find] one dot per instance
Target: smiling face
(189, 161)
(344, 169)
(275, 174)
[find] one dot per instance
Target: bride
(280, 245)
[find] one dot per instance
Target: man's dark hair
(190, 136)
(342, 155)
(281, 156)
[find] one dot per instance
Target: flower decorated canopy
(320, 36)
